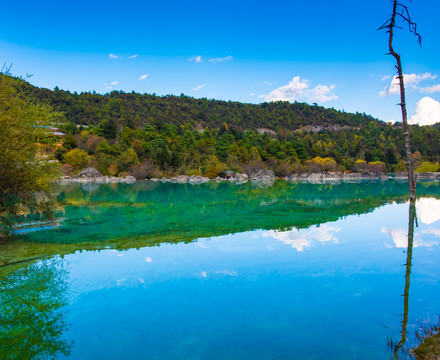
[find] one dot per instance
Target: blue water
(327, 292)
(333, 290)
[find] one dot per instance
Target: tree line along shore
(149, 136)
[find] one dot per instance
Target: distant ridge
(134, 110)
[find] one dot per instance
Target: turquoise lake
(223, 271)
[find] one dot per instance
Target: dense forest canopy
(134, 110)
(183, 135)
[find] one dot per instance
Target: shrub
(127, 159)
(360, 165)
(68, 169)
(146, 170)
(428, 166)
(59, 154)
(401, 166)
(112, 170)
(69, 142)
(77, 158)
(251, 166)
(377, 167)
(283, 169)
(319, 164)
(190, 172)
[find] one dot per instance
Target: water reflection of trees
(122, 216)
(159, 213)
(399, 349)
(32, 301)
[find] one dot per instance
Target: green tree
(108, 129)
(26, 174)
(69, 142)
(126, 159)
(78, 158)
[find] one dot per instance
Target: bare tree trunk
(402, 11)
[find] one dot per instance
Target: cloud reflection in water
(303, 238)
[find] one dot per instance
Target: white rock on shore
(90, 174)
(336, 176)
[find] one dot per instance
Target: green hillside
(180, 134)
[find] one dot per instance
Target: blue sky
(315, 51)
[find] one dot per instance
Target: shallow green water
(221, 271)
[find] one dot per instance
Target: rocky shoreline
(92, 175)
(258, 177)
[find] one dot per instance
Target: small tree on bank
(26, 172)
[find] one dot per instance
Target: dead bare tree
(401, 12)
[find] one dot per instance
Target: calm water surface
(220, 271)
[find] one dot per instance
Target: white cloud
(411, 82)
(219, 60)
(414, 79)
(134, 56)
(252, 94)
(323, 233)
(196, 59)
(113, 56)
(299, 89)
(427, 112)
(386, 77)
(298, 240)
(301, 239)
(108, 86)
(430, 89)
(267, 83)
(148, 259)
(400, 238)
(322, 93)
(197, 88)
(428, 210)
(143, 77)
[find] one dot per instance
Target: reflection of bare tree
(398, 347)
(31, 312)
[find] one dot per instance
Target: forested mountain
(180, 134)
(135, 110)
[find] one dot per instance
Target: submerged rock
(263, 178)
(335, 176)
(196, 179)
(181, 179)
(241, 177)
(292, 177)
